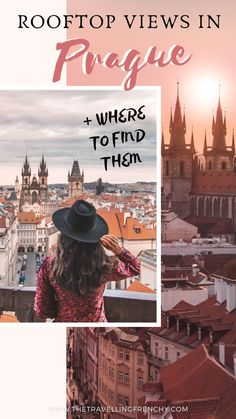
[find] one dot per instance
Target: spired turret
(178, 163)
(43, 174)
(219, 156)
(26, 172)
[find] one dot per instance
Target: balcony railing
(120, 306)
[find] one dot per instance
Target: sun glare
(206, 91)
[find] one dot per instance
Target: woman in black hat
(70, 286)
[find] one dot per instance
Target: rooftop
(220, 182)
(205, 383)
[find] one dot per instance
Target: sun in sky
(206, 91)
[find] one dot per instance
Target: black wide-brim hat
(80, 222)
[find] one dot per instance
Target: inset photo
(78, 208)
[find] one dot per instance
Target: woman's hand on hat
(111, 242)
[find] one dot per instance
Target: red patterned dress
(54, 302)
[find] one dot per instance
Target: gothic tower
(219, 156)
(75, 180)
(26, 173)
(25, 183)
(43, 179)
(178, 164)
(99, 187)
(17, 186)
(33, 190)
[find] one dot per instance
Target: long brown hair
(80, 267)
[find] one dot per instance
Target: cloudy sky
(51, 122)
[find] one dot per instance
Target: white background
(32, 372)
(32, 357)
(28, 56)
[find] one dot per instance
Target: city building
(123, 368)
(193, 188)
(179, 165)
(8, 244)
(194, 386)
(35, 189)
(32, 232)
(174, 228)
(75, 181)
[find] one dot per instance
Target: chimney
(221, 291)
(234, 363)
(195, 269)
(231, 297)
(222, 353)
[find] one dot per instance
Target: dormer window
(168, 322)
(177, 325)
(199, 333)
(188, 329)
(137, 230)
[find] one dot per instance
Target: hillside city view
(27, 232)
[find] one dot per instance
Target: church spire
(162, 142)
(205, 145)
(178, 127)
(219, 130)
(43, 171)
(233, 144)
(171, 121)
(26, 171)
(192, 143)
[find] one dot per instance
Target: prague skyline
(52, 123)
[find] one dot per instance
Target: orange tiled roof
(70, 201)
(29, 218)
(6, 318)
(221, 182)
(114, 219)
(137, 286)
(197, 377)
(131, 230)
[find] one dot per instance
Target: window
(223, 165)
(126, 378)
(120, 376)
(120, 400)
(181, 168)
(111, 373)
(156, 350)
(188, 329)
(166, 353)
(177, 355)
(140, 383)
(167, 168)
(127, 356)
(126, 401)
(210, 165)
(121, 355)
(199, 333)
(140, 359)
